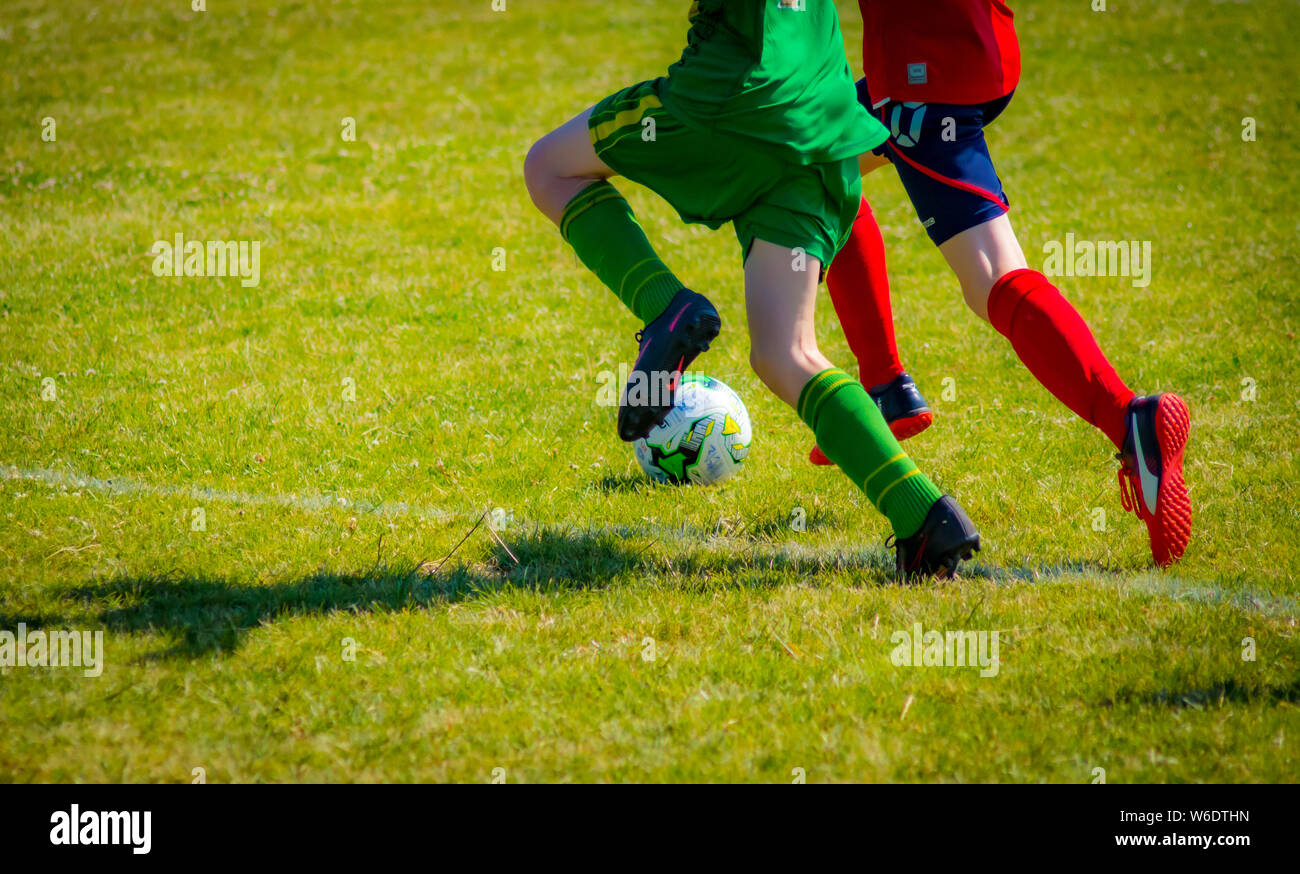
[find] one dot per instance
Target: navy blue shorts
(943, 160)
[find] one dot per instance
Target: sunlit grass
(346, 423)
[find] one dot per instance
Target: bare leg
(980, 256)
(779, 302)
(848, 426)
(561, 164)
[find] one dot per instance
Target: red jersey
(939, 51)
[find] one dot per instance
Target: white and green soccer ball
(704, 439)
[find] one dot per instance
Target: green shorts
(712, 178)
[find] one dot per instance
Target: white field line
(69, 482)
(1155, 583)
(307, 503)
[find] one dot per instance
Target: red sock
(859, 288)
(1054, 342)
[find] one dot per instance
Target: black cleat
(905, 411)
(668, 345)
(946, 538)
(903, 407)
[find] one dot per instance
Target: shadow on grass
(1228, 691)
(1043, 573)
(204, 615)
(626, 482)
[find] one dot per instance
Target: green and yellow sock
(853, 434)
(598, 223)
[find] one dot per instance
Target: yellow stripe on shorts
(627, 118)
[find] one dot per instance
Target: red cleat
(1151, 478)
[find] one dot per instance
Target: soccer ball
(704, 439)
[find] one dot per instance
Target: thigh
(567, 151)
(560, 165)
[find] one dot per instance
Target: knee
(771, 361)
(537, 172)
(763, 363)
(785, 368)
(976, 295)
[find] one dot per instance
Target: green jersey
(772, 71)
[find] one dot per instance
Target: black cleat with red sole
(946, 538)
(668, 346)
(903, 407)
(905, 411)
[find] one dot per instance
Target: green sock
(599, 225)
(853, 434)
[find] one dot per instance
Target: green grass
(330, 519)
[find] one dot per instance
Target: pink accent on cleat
(678, 316)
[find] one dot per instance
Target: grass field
(261, 495)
